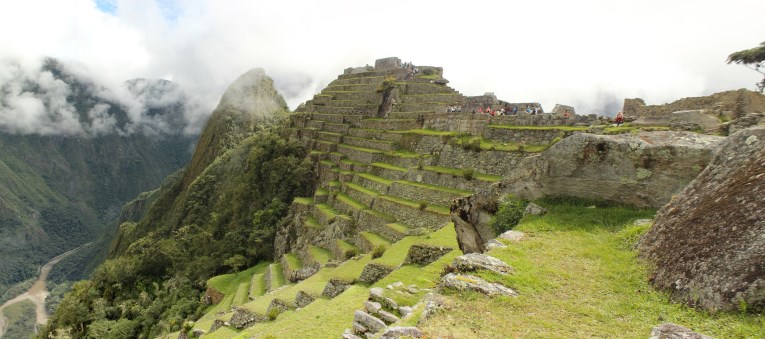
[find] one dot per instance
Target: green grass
(397, 252)
(277, 275)
(352, 162)
(460, 172)
(632, 129)
(242, 293)
(228, 284)
(327, 210)
(362, 189)
(398, 227)
(375, 178)
(293, 262)
(389, 166)
(402, 153)
(329, 163)
(496, 145)
(578, 276)
(375, 239)
(321, 255)
(428, 132)
(321, 192)
(334, 184)
(257, 286)
(311, 221)
(437, 188)
(560, 128)
(352, 202)
(304, 200)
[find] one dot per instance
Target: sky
(590, 54)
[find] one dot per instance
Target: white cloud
(587, 53)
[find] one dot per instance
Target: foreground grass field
(578, 276)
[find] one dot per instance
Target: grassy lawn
(293, 261)
(228, 284)
(375, 239)
(20, 320)
(304, 200)
(351, 202)
(319, 254)
(362, 189)
(578, 276)
(375, 178)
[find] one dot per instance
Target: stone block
(371, 323)
(373, 272)
(421, 254)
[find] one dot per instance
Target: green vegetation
(375, 239)
(192, 227)
(303, 200)
(436, 188)
(428, 132)
(277, 275)
(508, 215)
(319, 254)
(362, 189)
(576, 273)
(311, 221)
(20, 319)
(293, 261)
(754, 58)
(229, 283)
(417, 204)
(375, 178)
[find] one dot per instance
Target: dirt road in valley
(37, 293)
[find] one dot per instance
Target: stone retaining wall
(411, 216)
(422, 194)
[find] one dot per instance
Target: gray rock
(395, 285)
(373, 272)
(303, 299)
(398, 331)
(707, 243)
(421, 254)
(348, 335)
(405, 311)
(371, 323)
(642, 222)
(412, 289)
(243, 318)
(276, 307)
(376, 293)
(387, 317)
(512, 235)
(372, 307)
(534, 209)
(433, 303)
(332, 263)
(198, 332)
(389, 304)
(476, 261)
(494, 243)
(359, 328)
(183, 335)
(217, 323)
(334, 287)
(473, 283)
(672, 331)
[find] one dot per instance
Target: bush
(423, 205)
(468, 173)
(474, 144)
(509, 215)
(351, 253)
(378, 251)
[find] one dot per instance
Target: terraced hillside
(388, 170)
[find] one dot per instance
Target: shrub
(378, 251)
(388, 84)
(273, 313)
(468, 173)
(351, 253)
(509, 214)
(423, 205)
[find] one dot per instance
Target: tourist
(619, 119)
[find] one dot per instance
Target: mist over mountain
(72, 152)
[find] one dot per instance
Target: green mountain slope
(219, 214)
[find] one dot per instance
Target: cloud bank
(590, 54)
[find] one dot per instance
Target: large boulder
(708, 243)
(642, 170)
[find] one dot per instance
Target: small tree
(236, 262)
(753, 58)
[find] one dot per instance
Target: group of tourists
(412, 70)
(507, 110)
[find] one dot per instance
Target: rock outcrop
(642, 170)
(464, 282)
(708, 242)
(672, 331)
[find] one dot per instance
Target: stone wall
(731, 103)
(561, 109)
(525, 136)
(386, 64)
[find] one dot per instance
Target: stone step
(344, 250)
(318, 255)
(360, 193)
(324, 146)
(371, 87)
(387, 171)
(380, 145)
(372, 182)
(438, 107)
(317, 124)
(374, 221)
(360, 154)
(415, 88)
(352, 165)
(390, 124)
(376, 134)
(320, 195)
(335, 118)
(372, 96)
(352, 103)
(366, 110)
(291, 264)
(360, 78)
(449, 98)
(345, 204)
(241, 296)
(330, 137)
(408, 115)
(368, 241)
(331, 127)
(395, 231)
(432, 194)
(413, 213)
